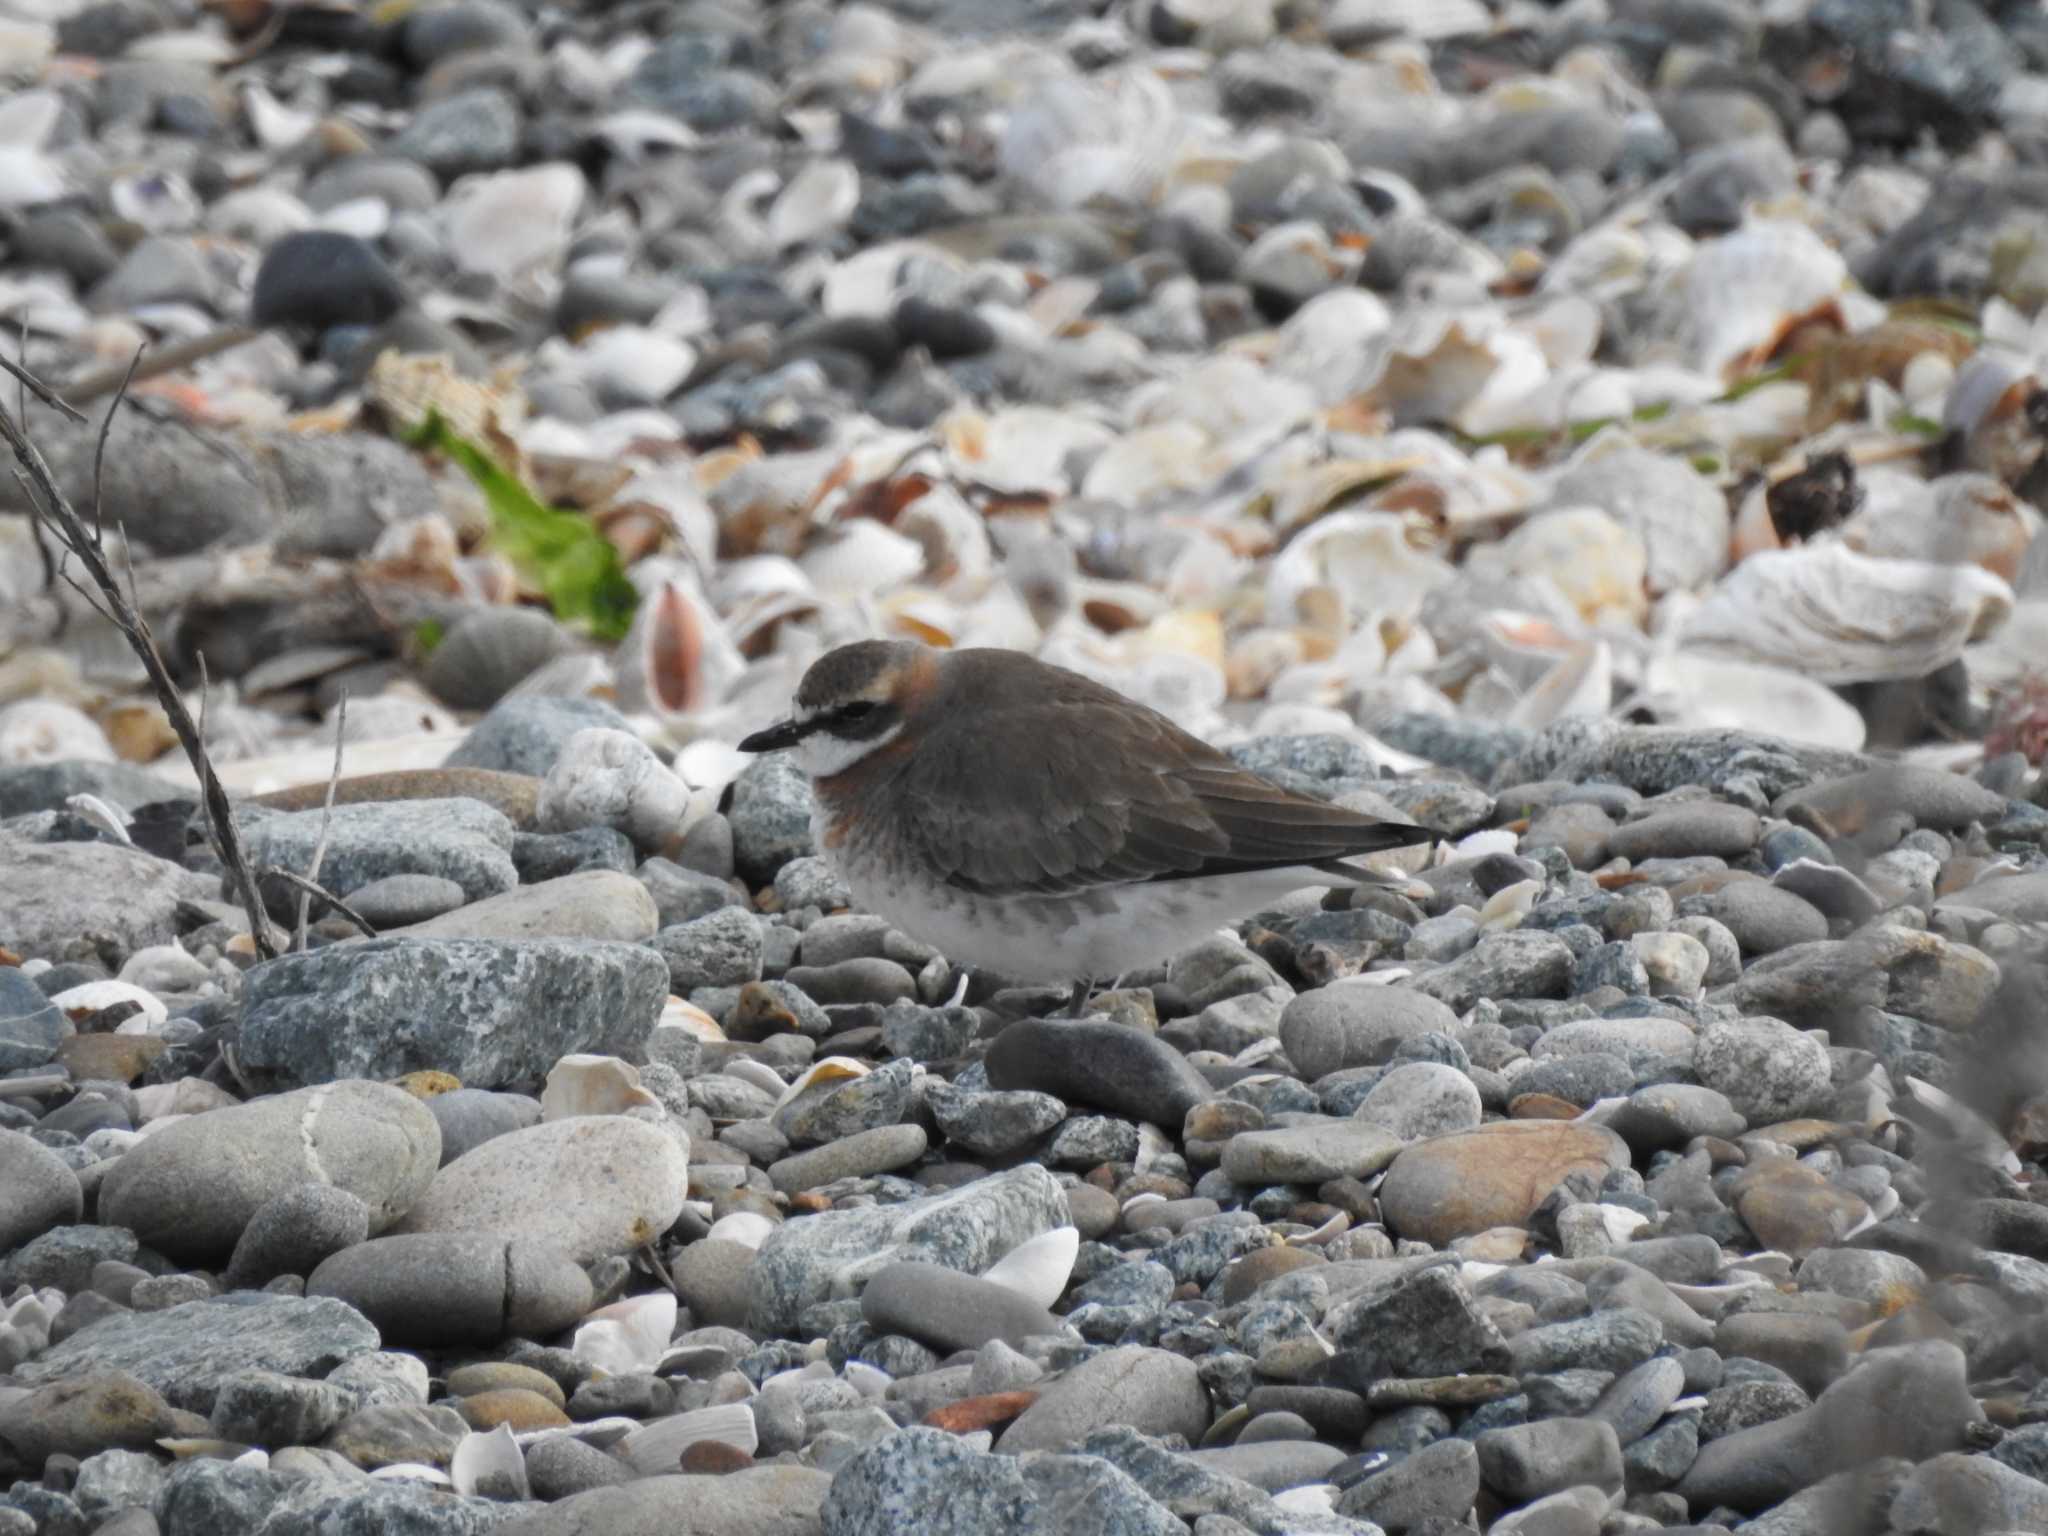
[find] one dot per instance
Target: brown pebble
(1243, 1277)
(517, 1406)
(968, 1414)
(714, 1458)
(109, 1058)
(1541, 1106)
(809, 1203)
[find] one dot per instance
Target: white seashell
(92, 996)
(1153, 1144)
(165, 968)
(101, 815)
(1840, 617)
(750, 1229)
(413, 1472)
(634, 364)
(585, 1084)
(1038, 1268)
(1477, 845)
(512, 221)
(44, 731)
(1598, 565)
(1307, 1499)
(489, 1466)
(677, 658)
(275, 125)
(1965, 517)
(1023, 450)
(1745, 291)
(679, 1014)
(1073, 140)
(1693, 689)
(658, 1446)
(755, 1073)
(255, 1457)
(1582, 684)
(1364, 557)
(1506, 907)
(817, 202)
(861, 558)
(628, 1336)
(828, 1069)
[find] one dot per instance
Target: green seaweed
(574, 565)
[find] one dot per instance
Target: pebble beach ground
(1609, 434)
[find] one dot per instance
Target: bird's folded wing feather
(1091, 794)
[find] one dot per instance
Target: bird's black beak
(785, 734)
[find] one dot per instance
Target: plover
(1025, 820)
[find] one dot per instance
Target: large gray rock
(190, 1189)
(811, 1258)
(461, 840)
(927, 1481)
(1767, 1069)
(495, 1012)
(186, 1351)
(592, 1186)
(771, 817)
(38, 1190)
(31, 1026)
(443, 1288)
(1104, 1065)
(55, 896)
(757, 1501)
(1153, 1391)
(383, 1509)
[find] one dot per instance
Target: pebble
(600, 904)
(1456, 1186)
(192, 1189)
(1106, 1066)
(461, 840)
(1151, 1390)
(38, 1190)
(589, 1187)
(948, 1310)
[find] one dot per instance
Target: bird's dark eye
(859, 709)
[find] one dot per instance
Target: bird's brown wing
(1090, 790)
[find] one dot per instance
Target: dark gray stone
(771, 817)
(469, 1117)
(721, 949)
(456, 1287)
(291, 1232)
(1425, 1325)
(948, 1310)
(1097, 1063)
(38, 1190)
(318, 277)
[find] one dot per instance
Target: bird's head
(853, 701)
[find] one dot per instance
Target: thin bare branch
(39, 389)
(51, 505)
(326, 822)
(307, 888)
(90, 386)
(99, 455)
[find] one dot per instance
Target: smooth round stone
(82, 1415)
(1863, 1274)
(1793, 1209)
(588, 904)
(1768, 1070)
(1675, 964)
(561, 1466)
(320, 278)
(721, 949)
(525, 733)
(1093, 1062)
(1093, 1212)
(593, 1186)
(524, 1411)
(496, 1375)
(1421, 1099)
(1667, 1115)
(611, 778)
(1357, 1025)
(1309, 1154)
(1636, 1401)
(754, 1501)
(38, 1190)
(393, 1434)
(712, 1278)
(870, 979)
(1932, 797)
(1763, 918)
(948, 1310)
(469, 1117)
(1529, 1461)
(398, 901)
(1724, 955)
(1705, 827)
(1496, 1176)
(1243, 1277)
(1152, 1391)
(1438, 1481)
(881, 1150)
(1641, 1042)
(429, 1287)
(1581, 1079)
(1811, 1349)
(190, 1189)
(1272, 1464)
(294, 1231)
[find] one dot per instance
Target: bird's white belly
(1095, 935)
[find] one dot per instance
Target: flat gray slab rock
(54, 894)
(496, 1013)
(461, 840)
(186, 1351)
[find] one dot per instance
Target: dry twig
(51, 506)
(326, 825)
(308, 888)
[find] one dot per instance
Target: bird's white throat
(821, 754)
